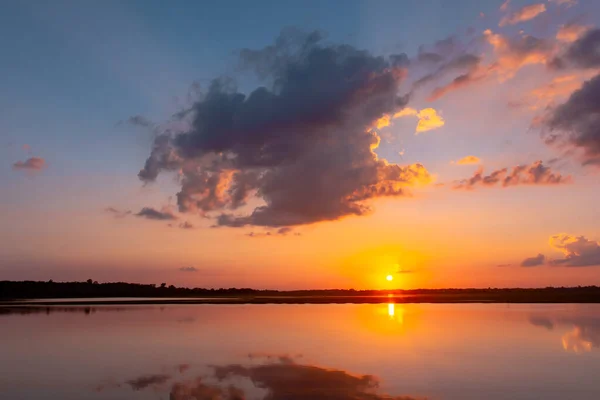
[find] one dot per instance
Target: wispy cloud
(523, 14)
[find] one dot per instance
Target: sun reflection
(391, 310)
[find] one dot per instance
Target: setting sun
(389, 278)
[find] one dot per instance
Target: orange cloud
(429, 119)
(524, 14)
(469, 160)
(515, 53)
(571, 32)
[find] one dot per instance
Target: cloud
(117, 213)
(534, 174)
(567, 3)
(284, 231)
(147, 380)
(302, 145)
(468, 160)
(503, 265)
(31, 164)
(462, 62)
(139, 120)
(504, 6)
(150, 213)
(576, 123)
(523, 14)
(540, 259)
(582, 53)
(186, 225)
(578, 250)
(189, 269)
(428, 119)
(542, 321)
(571, 32)
(514, 53)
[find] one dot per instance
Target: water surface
(293, 352)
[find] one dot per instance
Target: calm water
(370, 352)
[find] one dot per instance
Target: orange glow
(389, 278)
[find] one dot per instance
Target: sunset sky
(280, 144)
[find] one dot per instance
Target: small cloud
(428, 119)
(27, 148)
(540, 259)
(504, 6)
(523, 14)
(468, 160)
(139, 120)
(147, 380)
(117, 213)
(542, 321)
(566, 3)
(533, 174)
(188, 269)
(31, 164)
(285, 231)
(150, 213)
(503, 265)
(186, 225)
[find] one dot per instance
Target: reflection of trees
(282, 380)
(26, 310)
(584, 335)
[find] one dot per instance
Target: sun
(389, 278)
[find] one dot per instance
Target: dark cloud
(277, 378)
(31, 164)
(540, 259)
(534, 174)
(463, 62)
(117, 213)
(582, 53)
(303, 144)
(147, 380)
(429, 57)
(576, 123)
(189, 269)
(151, 213)
(139, 120)
(542, 321)
(578, 250)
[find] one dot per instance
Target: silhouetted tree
(163, 285)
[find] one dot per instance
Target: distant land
(92, 292)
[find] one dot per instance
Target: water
(293, 352)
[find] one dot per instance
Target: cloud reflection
(583, 337)
(279, 380)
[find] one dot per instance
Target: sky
(294, 145)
